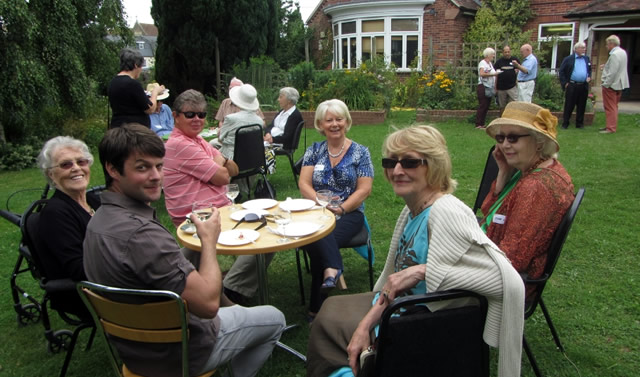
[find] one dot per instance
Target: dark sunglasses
(191, 114)
(66, 165)
(407, 163)
(512, 139)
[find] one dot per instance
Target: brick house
(421, 33)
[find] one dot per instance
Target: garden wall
(426, 115)
(357, 117)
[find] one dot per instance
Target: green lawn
(593, 296)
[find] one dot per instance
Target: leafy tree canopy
(500, 21)
(55, 57)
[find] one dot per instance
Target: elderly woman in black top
(283, 126)
(128, 100)
(66, 164)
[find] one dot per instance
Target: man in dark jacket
(575, 75)
(507, 88)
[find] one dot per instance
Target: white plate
(238, 237)
(239, 215)
(188, 228)
(299, 229)
(297, 204)
(259, 204)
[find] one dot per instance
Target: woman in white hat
(532, 191)
(162, 119)
(227, 107)
(245, 97)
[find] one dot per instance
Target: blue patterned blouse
(342, 178)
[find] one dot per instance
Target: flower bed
(428, 115)
(357, 117)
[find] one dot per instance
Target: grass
(593, 297)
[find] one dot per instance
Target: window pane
(412, 50)
(345, 53)
(396, 51)
(564, 50)
(348, 27)
(558, 30)
(352, 57)
(372, 26)
(366, 48)
(336, 62)
(336, 30)
(410, 24)
(545, 57)
(379, 47)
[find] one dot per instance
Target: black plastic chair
(553, 254)
(248, 153)
(289, 150)
(58, 292)
(488, 176)
(361, 243)
(446, 342)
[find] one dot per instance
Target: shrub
(18, 156)
(437, 90)
(548, 92)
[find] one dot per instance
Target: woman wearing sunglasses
(437, 245)
(66, 164)
(532, 190)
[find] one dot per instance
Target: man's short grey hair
(578, 45)
(290, 94)
(613, 39)
(46, 156)
(191, 98)
(488, 51)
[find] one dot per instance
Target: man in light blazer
(614, 80)
(575, 75)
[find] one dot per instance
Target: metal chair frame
(291, 149)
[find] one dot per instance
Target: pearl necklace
(339, 153)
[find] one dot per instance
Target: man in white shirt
(614, 80)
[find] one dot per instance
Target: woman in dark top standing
(66, 163)
(129, 103)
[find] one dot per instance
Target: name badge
(499, 219)
(318, 167)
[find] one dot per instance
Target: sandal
(331, 281)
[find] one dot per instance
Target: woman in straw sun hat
(162, 119)
(532, 191)
(246, 98)
(227, 107)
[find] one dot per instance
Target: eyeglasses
(407, 163)
(66, 165)
(191, 114)
(512, 139)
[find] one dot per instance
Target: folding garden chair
(488, 176)
(553, 254)
(289, 150)
(145, 316)
(248, 153)
(447, 342)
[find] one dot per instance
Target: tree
(292, 36)
(187, 32)
(55, 56)
(500, 21)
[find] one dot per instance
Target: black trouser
(575, 95)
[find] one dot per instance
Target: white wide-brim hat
(162, 96)
(245, 97)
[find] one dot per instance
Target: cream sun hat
(245, 97)
(162, 96)
(529, 116)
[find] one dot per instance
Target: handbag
(367, 362)
(264, 189)
(489, 91)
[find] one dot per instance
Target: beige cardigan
(462, 257)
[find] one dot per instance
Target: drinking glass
(324, 197)
(335, 203)
(232, 193)
(282, 218)
(203, 209)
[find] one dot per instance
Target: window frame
(553, 66)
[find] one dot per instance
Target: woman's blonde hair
(431, 145)
(333, 106)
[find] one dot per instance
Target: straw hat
(530, 116)
(245, 97)
(162, 96)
